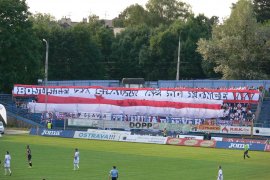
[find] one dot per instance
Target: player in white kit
(76, 160)
(220, 174)
(7, 163)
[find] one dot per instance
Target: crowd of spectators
(238, 113)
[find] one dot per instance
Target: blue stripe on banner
(240, 146)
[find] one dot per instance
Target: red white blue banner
(226, 95)
(173, 102)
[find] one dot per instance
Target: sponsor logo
(50, 133)
(207, 143)
(250, 141)
(174, 141)
(140, 125)
(237, 146)
(208, 128)
(96, 136)
(225, 130)
(190, 142)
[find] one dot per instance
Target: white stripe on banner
(129, 110)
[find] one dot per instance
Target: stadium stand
(238, 114)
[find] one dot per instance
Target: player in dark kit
(29, 156)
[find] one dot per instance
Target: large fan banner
(226, 95)
(190, 103)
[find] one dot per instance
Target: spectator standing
(113, 175)
(7, 163)
(164, 132)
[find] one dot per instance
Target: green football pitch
(53, 160)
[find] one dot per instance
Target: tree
(133, 15)
(125, 58)
(19, 47)
(159, 60)
(236, 45)
(166, 11)
(262, 10)
(74, 54)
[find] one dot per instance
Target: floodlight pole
(178, 61)
(46, 76)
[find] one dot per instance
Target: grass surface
(53, 160)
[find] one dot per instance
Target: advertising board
(235, 130)
(52, 132)
(253, 141)
(190, 137)
(97, 136)
(207, 128)
(240, 146)
(261, 131)
(267, 148)
(83, 122)
(140, 125)
(108, 132)
(191, 142)
(143, 139)
(217, 138)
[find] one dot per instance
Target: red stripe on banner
(149, 89)
(241, 101)
(126, 102)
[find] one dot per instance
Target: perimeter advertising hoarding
(108, 131)
(240, 146)
(83, 122)
(191, 142)
(235, 130)
(261, 131)
(207, 128)
(143, 139)
(267, 147)
(97, 135)
(129, 125)
(253, 141)
(190, 137)
(52, 132)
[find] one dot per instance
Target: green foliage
(262, 10)
(133, 15)
(19, 55)
(126, 49)
(160, 58)
(74, 54)
(167, 11)
(53, 159)
(235, 47)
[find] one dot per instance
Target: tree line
(236, 48)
